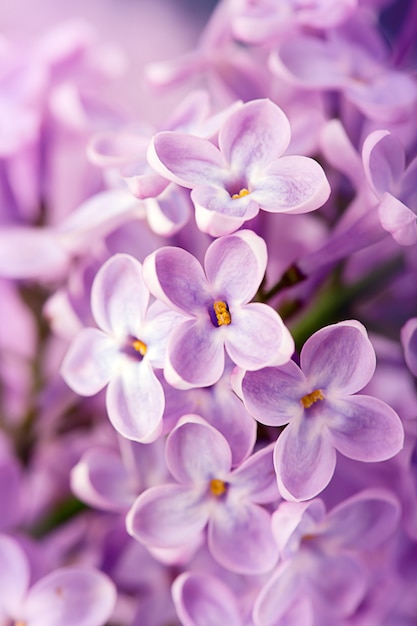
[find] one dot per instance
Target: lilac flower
(210, 494)
(69, 596)
(322, 554)
(319, 403)
(216, 312)
(124, 352)
(247, 172)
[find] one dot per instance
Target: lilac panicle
(215, 309)
(324, 413)
(247, 172)
(123, 352)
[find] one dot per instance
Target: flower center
(139, 346)
(310, 398)
(220, 314)
(217, 487)
(243, 192)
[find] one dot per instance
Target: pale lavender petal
(409, 343)
(272, 394)
(14, 576)
(337, 583)
(101, 479)
(196, 452)
(398, 220)
(240, 538)
(339, 358)
(167, 516)
(280, 592)
(32, 253)
(91, 361)
(72, 595)
(186, 160)
(147, 185)
(235, 266)
(304, 460)
(364, 521)
(159, 323)
(292, 184)
(202, 600)
(256, 477)
(135, 402)
(195, 355)
(168, 213)
(113, 149)
(383, 160)
(119, 296)
(257, 337)
(363, 428)
(174, 276)
(254, 135)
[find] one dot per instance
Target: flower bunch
(209, 325)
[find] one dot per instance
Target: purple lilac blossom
(216, 311)
(245, 173)
(320, 554)
(122, 353)
(318, 402)
(229, 502)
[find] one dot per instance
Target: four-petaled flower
(246, 173)
(215, 310)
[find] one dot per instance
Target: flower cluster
(209, 325)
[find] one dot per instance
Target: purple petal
(254, 135)
(240, 538)
(409, 342)
(101, 479)
(278, 596)
(196, 452)
(304, 460)
(119, 296)
(202, 600)
(383, 160)
(195, 355)
(339, 358)
(174, 276)
(91, 361)
(364, 428)
(167, 516)
(292, 184)
(256, 477)
(156, 330)
(364, 521)
(135, 402)
(224, 262)
(186, 160)
(337, 583)
(14, 576)
(257, 337)
(272, 395)
(72, 595)
(398, 219)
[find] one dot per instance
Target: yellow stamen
(217, 487)
(310, 398)
(243, 192)
(221, 310)
(140, 347)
